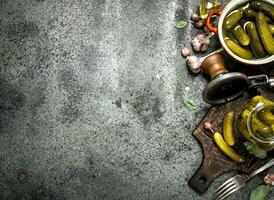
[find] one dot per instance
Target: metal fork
(237, 182)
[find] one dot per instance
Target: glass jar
(208, 5)
(256, 123)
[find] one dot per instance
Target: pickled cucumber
(242, 128)
(260, 99)
(265, 34)
(271, 27)
(228, 128)
(232, 37)
(266, 116)
(249, 13)
(241, 35)
(232, 19)
(261, 128)
(255, 44)
(238, 50)
(227, 150)
(257, 125)
(264, 7)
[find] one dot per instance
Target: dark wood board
(215, 163)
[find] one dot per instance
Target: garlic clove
(201, 37)
(185, 52)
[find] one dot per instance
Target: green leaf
(190, 105)
(181, 24)
(260, 193)
(255, 150)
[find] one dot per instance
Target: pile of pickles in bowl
(256, 122)
(248, 30)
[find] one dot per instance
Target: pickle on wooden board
(227, 150)
(232, 19)
(264, 7)
(264, 32)
(271, 27)
(249, 13)
(238, 50)
(228, 128)
(255, 43)
(241, 35)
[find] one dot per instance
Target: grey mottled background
(91, 96)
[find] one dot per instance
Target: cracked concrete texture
(91, 96)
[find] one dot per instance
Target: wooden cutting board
(215, 163)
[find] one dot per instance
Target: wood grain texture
(214, 161)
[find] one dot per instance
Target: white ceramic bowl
(232, 5)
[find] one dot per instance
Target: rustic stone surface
(91, 101)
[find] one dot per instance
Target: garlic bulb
(200, 43)
(196, 45)
(194, 64)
